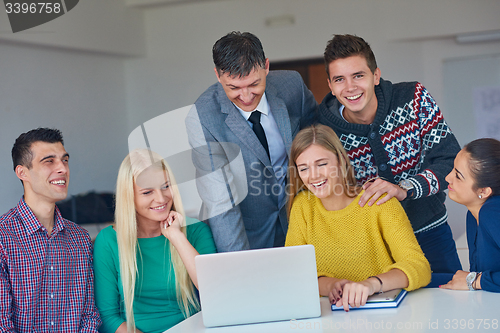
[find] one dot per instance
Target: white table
(424, 310)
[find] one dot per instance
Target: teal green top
(155, 301)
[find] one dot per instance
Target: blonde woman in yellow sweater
(359, 250)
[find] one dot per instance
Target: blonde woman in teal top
(145, 276)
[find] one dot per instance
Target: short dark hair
(238, 54)
(345, 46)
(485, 163)
(21, 151)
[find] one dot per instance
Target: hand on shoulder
(375, 189)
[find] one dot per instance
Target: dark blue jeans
(440, 249)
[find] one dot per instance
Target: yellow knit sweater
(355, 243)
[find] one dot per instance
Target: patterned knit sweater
(355, 243)
(408, 139)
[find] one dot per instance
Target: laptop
(257, 286)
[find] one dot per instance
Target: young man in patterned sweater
(396, 136)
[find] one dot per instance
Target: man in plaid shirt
(46, 277)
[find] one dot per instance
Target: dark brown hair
(484, 163)
(238, 54)
(345, 46)
(21, 151)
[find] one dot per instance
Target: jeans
(441, 252)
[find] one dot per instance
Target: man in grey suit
(241, 130)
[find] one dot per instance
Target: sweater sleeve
(107, 294)
(402, 245)
(490, 281)
(297, 223)
(489, 218)
(439, 145)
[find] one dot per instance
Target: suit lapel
(240, 128)
(280, 113)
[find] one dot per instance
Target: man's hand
(376, 188)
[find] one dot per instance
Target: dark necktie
(259, 130)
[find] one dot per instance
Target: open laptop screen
(258, 285)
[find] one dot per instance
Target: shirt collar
(341, 111)
(263, 107)
(31, 222)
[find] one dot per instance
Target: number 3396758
(32, 8)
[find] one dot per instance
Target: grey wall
(131, 64)
(410, 38)
(82, 94)
(461, 76)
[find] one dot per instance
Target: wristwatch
(405, 184)
(471, 277)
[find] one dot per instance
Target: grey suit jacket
(235, 178)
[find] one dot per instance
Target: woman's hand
(171, 227)
(458, 282)
(331, 287)
(355, 294)
(336, 286)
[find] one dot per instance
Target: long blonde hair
(325, 137)
(126, 232)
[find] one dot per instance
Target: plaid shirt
(46, 282)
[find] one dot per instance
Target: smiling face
(353, 83)
(320, 172)
(152, 196)
(48, 178)
(461, 182)
(245, 92)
